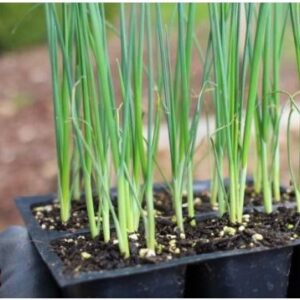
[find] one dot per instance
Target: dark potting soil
(256, 199)
(48, 216)
(83, 254)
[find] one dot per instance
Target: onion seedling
(105, 132)
(295, 20)
(176, 103)
(232, 135)
(280, 16)
(267, 115)
(61, 86)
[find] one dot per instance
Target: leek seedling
(225, 112)
(295, 179)
(188, 134)
(176, 103)
(262, 121)
(263, 16)
(280, 14)
(87, 88)
(268, 116)
(170, 112)
(233, 131)
(110, 120)
(107, 128)
(184, 54)
(125, 130)
(61, 99)
(152, 138)
(138, 147)
(76, 175)
(295, 19)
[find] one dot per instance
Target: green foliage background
(23, 25)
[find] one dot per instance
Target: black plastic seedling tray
(257, 272)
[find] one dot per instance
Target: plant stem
(257, 50)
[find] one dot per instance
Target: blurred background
(27, 151)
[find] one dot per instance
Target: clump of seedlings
(108, 132)
(233, 128)
(103, 134)
(237, 109)
(294, 10)
(267, 115)
(100, 132)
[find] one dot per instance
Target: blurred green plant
(23, 25)
(169, 9)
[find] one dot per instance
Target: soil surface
(48, 216)
(83, 254)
